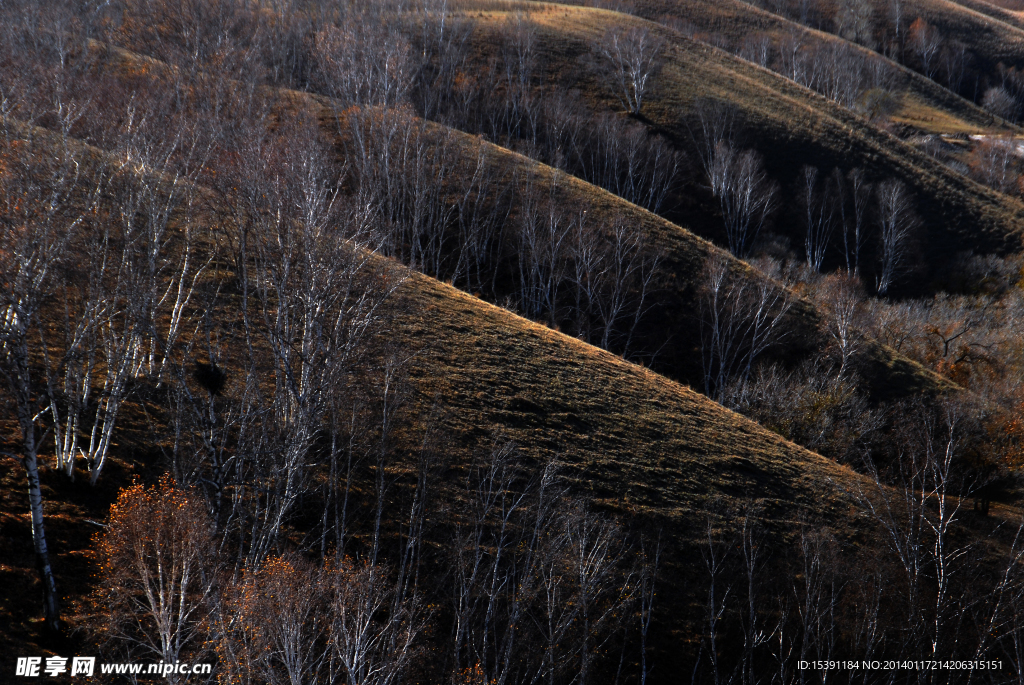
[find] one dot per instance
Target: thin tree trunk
(51, 608)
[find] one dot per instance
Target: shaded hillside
(924, 104)
(631, 442)
(672, 328)
(788, 123)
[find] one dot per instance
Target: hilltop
(398, 316)
(923, 104)
(790, 125)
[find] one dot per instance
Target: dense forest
(486, 342)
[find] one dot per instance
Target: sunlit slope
(924, 104)
(992, 32)
(630, 441)
(633, 437)
(789, 124)
(672, 328)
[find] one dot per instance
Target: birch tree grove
(539, 578)
(896, 222)
(745, 194)
(739, 320)
(632, 58)
(46, 202)
(312, 298)
(819, 210)
(229, 231)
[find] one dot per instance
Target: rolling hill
(673, 329)
(791, 125)
(651, 451)
(311, 369)
(924, 104)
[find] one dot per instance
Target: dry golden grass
(926, 105)
(632, 441)
(684, 255)
(636, 443)
(791, 125)
(923, 115)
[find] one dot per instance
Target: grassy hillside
(924, 104)
(634, 443)
(222, 254)
(672, 329)
(789, 124)
(992, 32)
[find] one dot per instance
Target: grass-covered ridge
(392, 315)
(672, 329)
(923, 104)
(789, 124)
(635, 444)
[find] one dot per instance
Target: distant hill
(788, 123)
(923, 104)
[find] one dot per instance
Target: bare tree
(1002, 620)
(1000, 102)
(544, 231)
(740, 320)
(519, 53)
(631, 59)
(854, 21)
(715, 552)
(995, 163)
(443, 88)
(746, 196)
(816, 596)
(896, 14)
(312, 297)
(819, 208)
(593, 543)
(855, 193)
(757, 49)
(839, 297)
(716, 120)
(947, 488)
(927, 43)
(622, 157)
(371, 635)
(281, 614)
(483, 209)
(838, 72)
(755, 556)
(918, 510)
(131, 313)
(364, 61)
(955, 60)
(648, 584)
(47, 193)
(896, 222)
(621, 289)
(793, 57)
